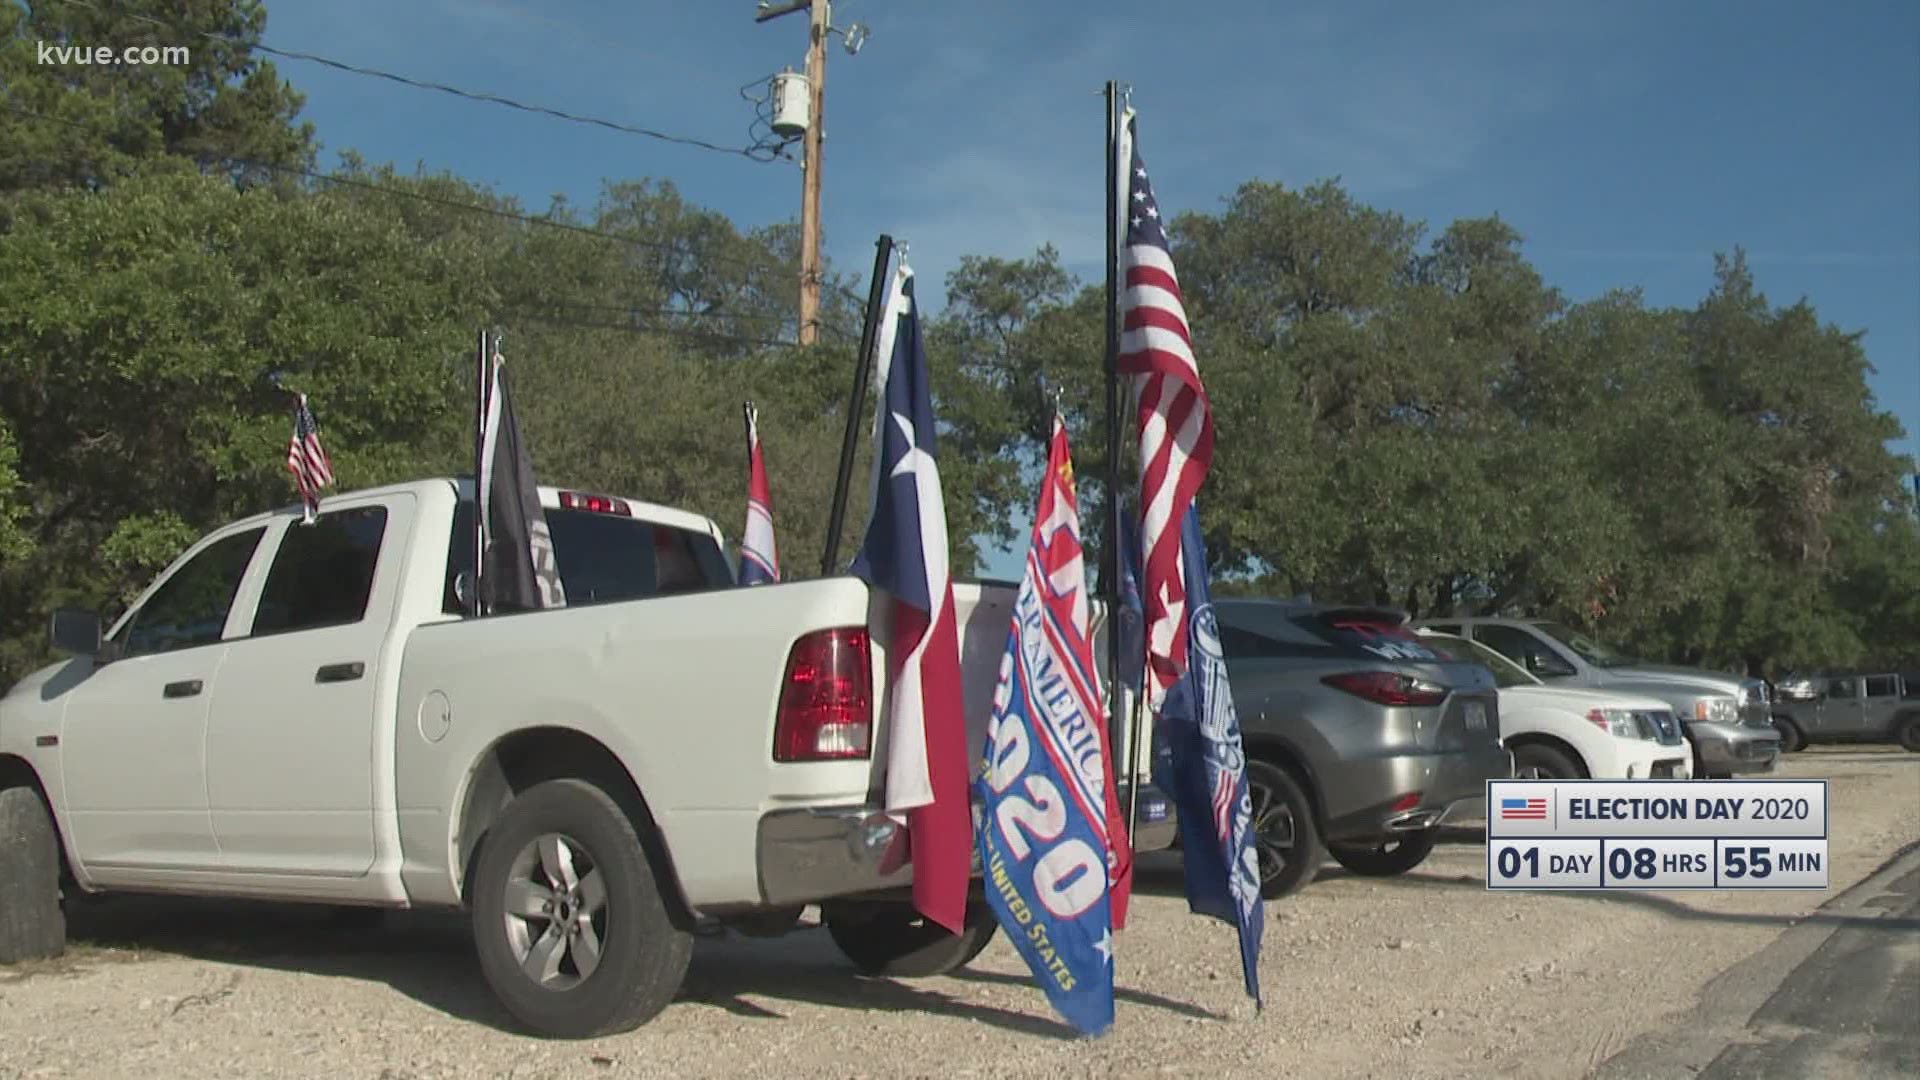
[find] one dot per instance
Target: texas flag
(759, 560)
(905, 554)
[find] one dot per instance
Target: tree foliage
(1404, 416)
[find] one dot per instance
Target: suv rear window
(604, 558)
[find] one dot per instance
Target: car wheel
(1910, 732)
(1388, 857)
(573, 934)
(32, 925)
(894, 939)
(1536, 762)
(1284, 834)
(1790, 737)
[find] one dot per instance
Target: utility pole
(810, 275)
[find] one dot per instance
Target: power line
(358, 183)
(437, 200)
(484, 97)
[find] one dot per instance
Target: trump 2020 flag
(759, 561)
(1049, 822)
(518, 571)
(1202, 765)
(905, 554)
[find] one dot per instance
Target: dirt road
(1424, 976)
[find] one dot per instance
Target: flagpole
(1111, 571)
(862, 373)
(479, 450)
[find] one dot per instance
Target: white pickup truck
(305, 713)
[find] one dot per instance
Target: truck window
(1513, 643)
(323, 573)
(1842, 688)
(604, 558)
(190, 608)
(1883, 686)
(1910, 684)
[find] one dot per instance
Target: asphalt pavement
(1837, 994)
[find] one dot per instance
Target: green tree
(84, 125)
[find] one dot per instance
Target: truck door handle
(340, 672)
(183, 688)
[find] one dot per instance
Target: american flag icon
(1523, 809)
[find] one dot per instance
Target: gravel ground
(1423, 976)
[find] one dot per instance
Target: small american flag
(307, 459)
(1174, 420)
(1523, 809)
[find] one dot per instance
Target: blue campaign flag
(1199, 760)
(1044, 800)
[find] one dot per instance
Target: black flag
(519, 573)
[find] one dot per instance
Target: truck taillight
(826, 706)
(1388, 688)
(598, 504)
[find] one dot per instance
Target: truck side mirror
(75, 631)
(1547, 665)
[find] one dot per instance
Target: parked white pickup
(302, 712)
(1569, 733)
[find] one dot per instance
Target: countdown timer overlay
(1656, 834)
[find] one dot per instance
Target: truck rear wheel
(32, 926)
(894, 939)
(1909, 731)
(573, 934)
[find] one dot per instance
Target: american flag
(307, 459)
(1174, 421)
(1523, 809)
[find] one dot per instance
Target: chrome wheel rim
(1532, 772)
(555, 912)
(1273, 830)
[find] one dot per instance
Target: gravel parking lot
(1428, 975)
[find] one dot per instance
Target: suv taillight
(826, 708)
(1388, 688)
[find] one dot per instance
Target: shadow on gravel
(428, 956)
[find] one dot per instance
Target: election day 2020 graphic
(1656, 834)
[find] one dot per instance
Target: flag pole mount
(883, 249)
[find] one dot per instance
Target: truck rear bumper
(819, 853)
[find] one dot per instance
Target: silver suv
(1726, 717)
(1360, 740)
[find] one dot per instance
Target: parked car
(1562, 733)
(1882, 707)
(1727, 718)
(305, 713)
(1360, 740)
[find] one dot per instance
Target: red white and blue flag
(1523, 809)
(1200, 757)
(307, 460)
(759, 560)
(905, 554)
(1173, 418)
(1053, 846)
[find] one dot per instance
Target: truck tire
(572, 931)
(895, 940)
(1284, 833)
(1909, 731)
(1534, 761)
(1388, 857)
(1791, 739)
(32, 925)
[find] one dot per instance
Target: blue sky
(1628, 140)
